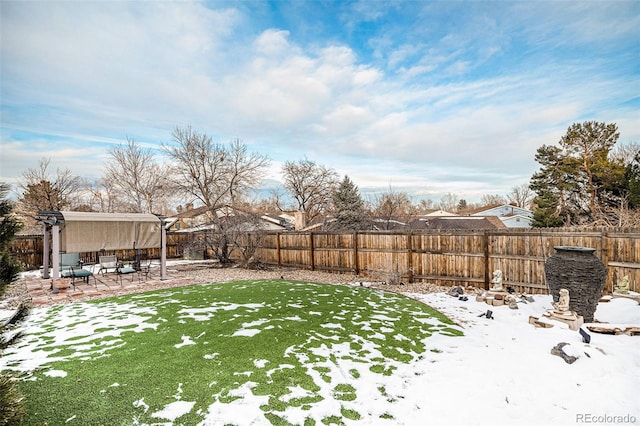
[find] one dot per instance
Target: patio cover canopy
(84, 232)
(80, 232)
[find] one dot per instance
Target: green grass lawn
(268, 351)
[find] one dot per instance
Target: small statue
(562, 305)
(497, 281)
(622, 286)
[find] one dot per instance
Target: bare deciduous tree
(218, 177)
(521, 196)
(245, 170)
(491, 199)
(210, 172)
(43, 191)
(625, 152)
(392, 205)
(425, 205)
(103, 196)
(449, 202)
(138, 178)
(311, 185)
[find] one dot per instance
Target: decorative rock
(557, 350)
(456, 291)
(573, 320)
(542, 324)
(586, 337)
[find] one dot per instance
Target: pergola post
(163, 251)
(45, 252)
(55, 254)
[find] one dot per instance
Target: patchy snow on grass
(260, 363)
(186, 341)
(141, 404)
(55, 373)
(249, 332)
(94, 335)
(242, 411)
(500, 372)
(205, 314)
(174, 410)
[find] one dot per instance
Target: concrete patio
(40, 291)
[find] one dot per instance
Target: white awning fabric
(85, 232)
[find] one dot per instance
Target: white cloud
(273, 43)
(88, 75)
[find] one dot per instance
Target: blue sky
(424, 97)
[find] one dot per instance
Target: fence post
(604, 253)
(278, 255)
(311, 252)
(356, 265)
(410, 256)
(485, 248)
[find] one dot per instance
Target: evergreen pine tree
(349, 206)
(12, 407)
(9, 227)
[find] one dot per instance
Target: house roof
(187, 214)
(437, 212)
(459, 222)
(481, 209)
(499, 210)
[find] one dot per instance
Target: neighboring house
(517, 221)
(280, 221)
(511, 216)
(437, 213)
(190, 218)
(380, 224)
(501, 210)
(458, 222)
(199, 219)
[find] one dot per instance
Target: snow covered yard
(291, 353)
(502, 370)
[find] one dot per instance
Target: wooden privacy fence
(463, 257)
(444, 257)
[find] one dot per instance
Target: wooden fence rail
(444, 257)
(453, 257)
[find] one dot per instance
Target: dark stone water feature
(578, 270)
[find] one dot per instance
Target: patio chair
(71, 267)
(107, 263)
(142, 264)
(111, 262)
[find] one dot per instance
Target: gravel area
(198, 273)
(15, 294)
(237, 274)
